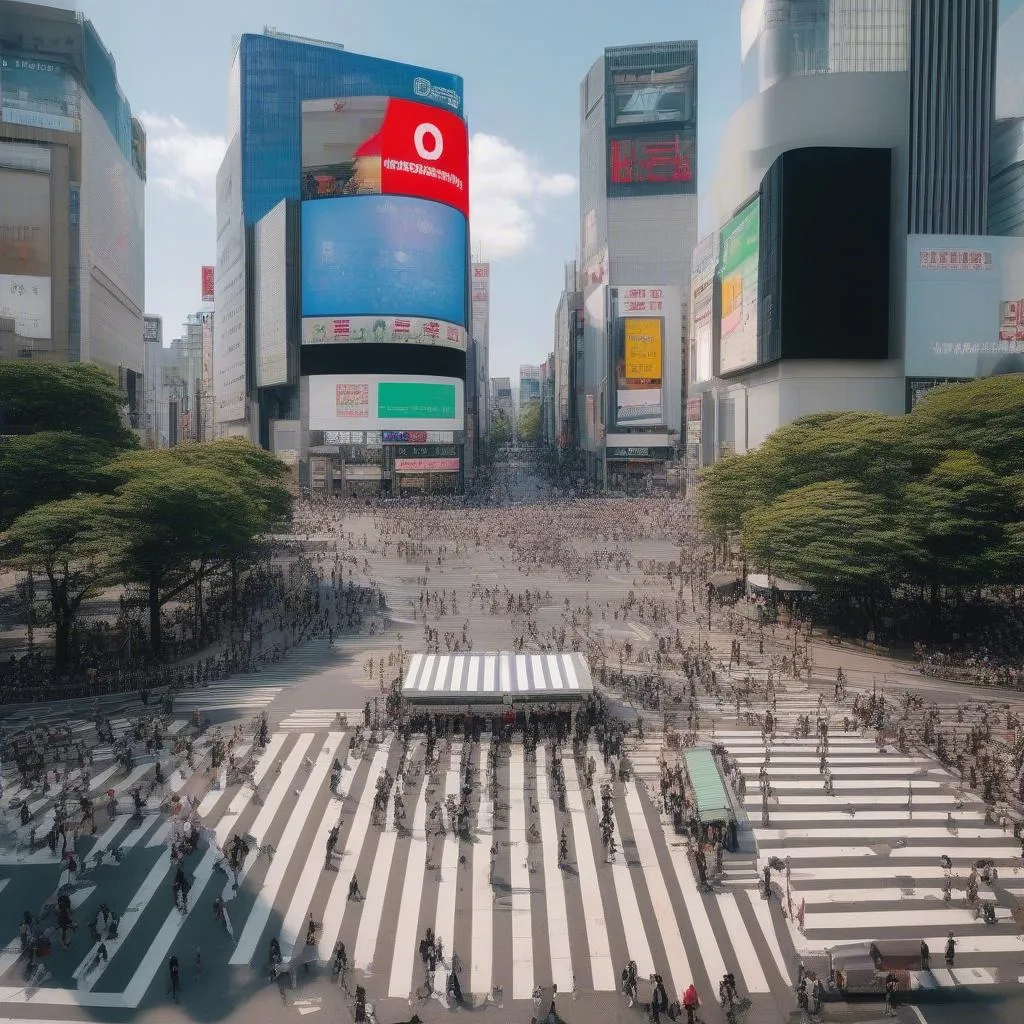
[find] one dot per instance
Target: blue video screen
(383, 256)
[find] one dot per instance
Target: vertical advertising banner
(229, 338)
(207, 284)
(25, 246)
(740, 250)
(965, 306)
(639, 332)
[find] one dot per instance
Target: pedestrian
(950, 950)
(175, 972)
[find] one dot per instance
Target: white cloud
(507, 192)
(180, 161)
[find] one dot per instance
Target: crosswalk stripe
(678, 966)
(746, 955)
(554, 884)
(522, 932)
(260, 914)
(481, 931)
(338, 898)
(603, 972)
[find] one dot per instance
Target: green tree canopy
(827, 534)
(173, 524)
(49, 466)
(958, 516)
(501, 429)
(529, 422)
(75, 397)
(728, 490)
(67, 543)
(985, 416)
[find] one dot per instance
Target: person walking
(174, 969)
(950, 950)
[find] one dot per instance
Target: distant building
(72, 182)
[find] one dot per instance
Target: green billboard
(415, 400)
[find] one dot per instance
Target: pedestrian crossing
(864, 861)
(321, 719)
(539, 923)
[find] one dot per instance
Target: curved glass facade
(789, 38)
(1006, 183)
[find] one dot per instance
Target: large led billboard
(738, 268)
(379, 145)
(25, 239)
(653, 97)
(654, 163)
(271, 145)
(639, 334)
(383, 256)
(385, 402)
(965, 306)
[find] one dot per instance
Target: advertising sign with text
(740, 251)
(385, 402)
(364, 330)
(639, 344)
(207, 284)
(376, 145)
(426, 465)
(652, 164)
(965, 306)
(640, 300)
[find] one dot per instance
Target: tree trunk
(155, 643)
(234, 590)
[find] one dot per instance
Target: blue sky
(522, 64)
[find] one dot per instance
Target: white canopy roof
(494, 677)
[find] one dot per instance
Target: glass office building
(72, 178)
(783, 39)
(356, 170)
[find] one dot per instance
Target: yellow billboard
(643, 348)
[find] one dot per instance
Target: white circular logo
(428, 141)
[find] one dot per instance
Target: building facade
(481, 334)
(1006, 176)
(337, 163)
(568, 338)
(835, 159)
(503, 404)
(638, 213)
(72, 180)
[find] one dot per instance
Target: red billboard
(207, 284)
(373, 145)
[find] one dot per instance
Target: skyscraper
(638, 226)
(355, 169)
(72, 179)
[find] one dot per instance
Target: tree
(728, 490)
(173, 524)
(64, 541)
(49, 466)
(529, 422)
(985, 416)
(958, 517)
(76, 397)
(501, 429)
(827, 534)
(881, 453)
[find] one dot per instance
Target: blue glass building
(271, 77)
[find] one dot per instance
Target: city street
(864, 867)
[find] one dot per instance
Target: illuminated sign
(643, 349)
(651, 163)
(638, 300)
(375, 145)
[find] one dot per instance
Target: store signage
(638, 300)
(638, 452)
(651, 159)
(426, 465)
(404, 436)
(365, 330)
